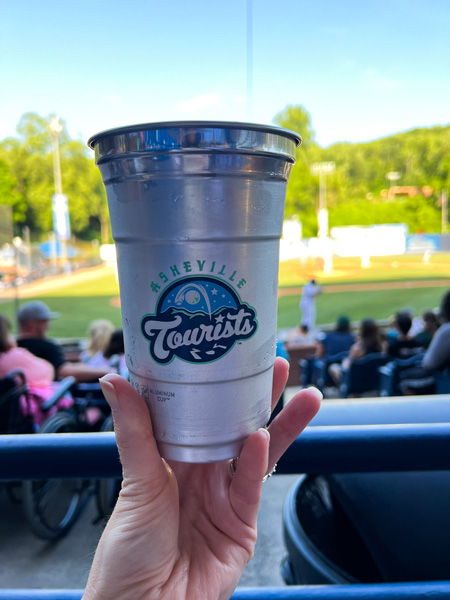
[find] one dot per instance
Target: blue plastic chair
(442, 380)
(363, 376)
(390, 374)
(320, 376)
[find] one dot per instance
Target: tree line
(356, 191)
(27, 181)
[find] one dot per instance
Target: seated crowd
(426, 337)
(43, 361)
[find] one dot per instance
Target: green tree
(302, 190)
(297, 118)
(83, 186)
(29, 161)
(421, 156)
(9, 193)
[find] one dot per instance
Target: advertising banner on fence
(374, 240)
(423, 242)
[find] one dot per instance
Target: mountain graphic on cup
(198, 320)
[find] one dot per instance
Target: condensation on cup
(196, 214)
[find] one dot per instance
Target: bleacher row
(376, 374)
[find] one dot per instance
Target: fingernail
(286, 361)
(317, 392)
(110, 393)
(266, 431)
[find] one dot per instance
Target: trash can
(367, 528)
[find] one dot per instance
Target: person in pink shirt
(39, 374)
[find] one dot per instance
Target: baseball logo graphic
(198, 319)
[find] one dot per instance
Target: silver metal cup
(196, 213)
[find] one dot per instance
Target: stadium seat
(320, 376)
(363, 376)
(442, 380)
(390, 374)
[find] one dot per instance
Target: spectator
(416, 322)
(339, 340)
(403, 344)
(114, 354)
(438, 354)
(308, 303)
(281, 350)
(421, 379)
(34, 321)
(100, 332)
(39, 375)
(299, 335)
(430, 326)
(368, 342)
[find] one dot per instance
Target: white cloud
(198, 103)
(376, 81)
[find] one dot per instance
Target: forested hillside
(357, 192)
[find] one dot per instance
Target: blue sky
(363, 69)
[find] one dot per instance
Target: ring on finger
(266, 477)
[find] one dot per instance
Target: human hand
(185, 531)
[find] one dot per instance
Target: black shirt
(401, 348)
(45, 349)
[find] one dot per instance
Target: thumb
(138, 451)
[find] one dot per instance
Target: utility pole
(249, 60)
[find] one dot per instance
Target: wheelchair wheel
(107, 490)
(52, 506)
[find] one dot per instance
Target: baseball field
(387, 285)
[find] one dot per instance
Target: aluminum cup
(196, 214)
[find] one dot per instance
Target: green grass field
(80, 304)
(377, 304)
(382, 268)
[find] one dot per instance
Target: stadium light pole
(56, 129)
(321, 170)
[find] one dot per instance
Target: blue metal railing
(339, 449)
(380, 591)
(318, 450)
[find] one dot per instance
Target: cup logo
(198, 319)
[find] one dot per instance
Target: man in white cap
(34, 321)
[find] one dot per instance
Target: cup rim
(96, 138)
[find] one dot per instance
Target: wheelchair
(50, 506)
(107, 490)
